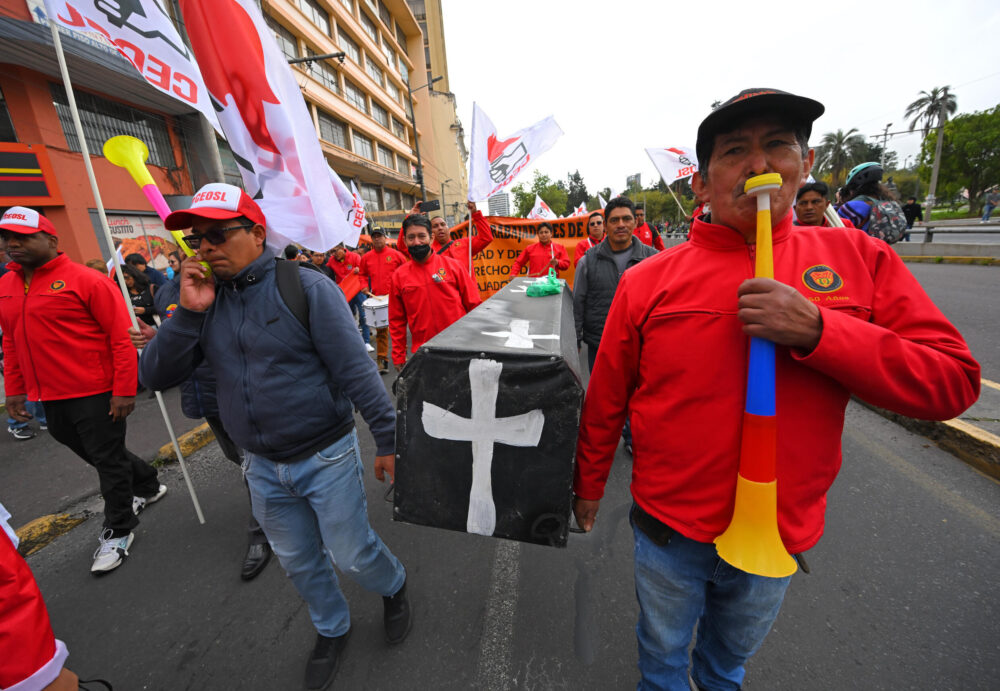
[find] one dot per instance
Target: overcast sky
(625, 75)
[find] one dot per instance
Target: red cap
(216, 201)
(20, 219)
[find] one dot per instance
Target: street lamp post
(416, 139)
(444, 208)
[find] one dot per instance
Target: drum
(377, 310)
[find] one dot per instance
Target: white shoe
(368, 347)
(111, 552)
(140, 503)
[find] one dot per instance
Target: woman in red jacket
(542, 255)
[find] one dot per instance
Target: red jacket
(378, 266)
(883, 340)
(538, 257)
(582, 248)
(68, 337)
(352, 261)
(647, 235)
(428, 297)
(459, 249)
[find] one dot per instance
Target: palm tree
(838, 151)
(931, 108)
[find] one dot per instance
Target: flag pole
(71, 98)
(680, 206)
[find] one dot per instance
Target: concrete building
(499, 204)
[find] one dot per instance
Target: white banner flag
(267, 125)
(602, 201)
(356, 216)
(494, 163)
(541, 211)
(142, 32)
(674, 163)
(580, 210)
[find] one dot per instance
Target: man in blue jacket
(304, 470)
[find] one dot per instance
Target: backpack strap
(286, 274)
(443, 249)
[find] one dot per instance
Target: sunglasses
(216, 236)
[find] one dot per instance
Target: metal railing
(954, 227)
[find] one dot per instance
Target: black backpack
(286, 274)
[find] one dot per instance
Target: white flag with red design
(674, 163)
(267, 125)
(357, 216)
(580, 210)
(495, 163)
(541, 211)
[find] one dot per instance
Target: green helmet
(863, 173)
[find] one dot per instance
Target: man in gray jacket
(597, 276)
(304, 469)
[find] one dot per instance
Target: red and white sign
(541, 211)
(674, 163)
(494, 163)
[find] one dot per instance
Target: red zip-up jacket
(459, 249)
(428, 297)
(583, 247)
(68, 336)
(648, 236)
(883, 340)
(379, 266)
(538, 257)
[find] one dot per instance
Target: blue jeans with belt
(315, 515)
(685, 583)
(356, 305)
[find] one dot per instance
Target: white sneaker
(140, 503)
(111, 553)
(368, 347)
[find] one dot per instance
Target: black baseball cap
(375, 231)
(750, 103)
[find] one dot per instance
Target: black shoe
(323, 662)
(256, 559)
(396, 617)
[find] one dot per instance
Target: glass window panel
(349, 46)
(369, 26)
(355, 96)
(408, 201)
(393, 90)
(349, 4)
(400, 37)
(286, 40)
(316, 14)
(333, 130)
(391, 199)
(374, 71)
(403, 167)
(363, 146)
(383, 14)
(381, 116)
(323, 73)
(385, 157)
(372, 196)
(399, 129)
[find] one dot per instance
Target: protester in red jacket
(457, 249)
(595, 234)
(542, 255)
(66, 343)
(428, 293)
(377, 268)
(343, 262)
(645, 232)
(847, 317)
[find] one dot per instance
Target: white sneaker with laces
(368, 347)
(111, 552)
(140, 503)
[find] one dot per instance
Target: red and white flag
(267, 125)
(494, 162)
(357, 216)
(143, 33)
(580, 210)
(674, 163)
(541, 211)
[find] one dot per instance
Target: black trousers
(83, 424)
(255, 534)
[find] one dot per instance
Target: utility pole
(444, 207)
(929, 203)
(416, 139)
(885, 142)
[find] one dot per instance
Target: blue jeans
(36, 410)
(313, 512)
(684, 583)
(988, 210)
(356, 307)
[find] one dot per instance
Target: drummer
(376, 267)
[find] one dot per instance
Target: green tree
(931, 109)
(577, 190)
(554, 194)
(838, 152)
(970, 156)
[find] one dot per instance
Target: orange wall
(36, 122)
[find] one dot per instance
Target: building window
(400, 36)
(383, 14)
(385, 157)
(380, 115)
(390, 54)
(369, 26)
(349, 46)
(316, 14)
(404, 71)
(103, 119)
(399, 129)
(374, 71)
(372, 4)
(349, 4)
(408, 201)
(323, 73)
(372, 196)
(391, 199)
(363, 146)
(355, 96)
(333, 130)
(393, 90)
(403, 167)
(7, 133)
(286, 40)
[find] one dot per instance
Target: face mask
(420, 252)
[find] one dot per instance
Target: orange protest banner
(510, 236)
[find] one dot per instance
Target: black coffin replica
(488, 416)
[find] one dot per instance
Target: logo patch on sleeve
(822, 279)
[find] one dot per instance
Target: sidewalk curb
(977, 261)
(975, 446)
(189, 442)
(41, 531)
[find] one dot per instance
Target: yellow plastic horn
(131, 154)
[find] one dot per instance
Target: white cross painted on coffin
(520, 289)
(518, 336)
(484, 429)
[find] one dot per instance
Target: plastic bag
(546, 285)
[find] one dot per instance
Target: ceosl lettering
(19, 217)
